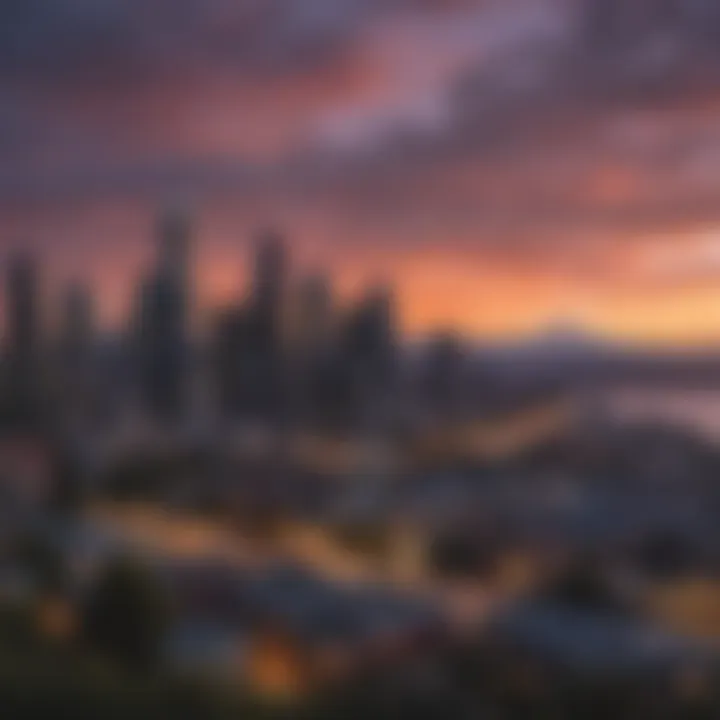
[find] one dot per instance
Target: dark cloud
(558, 118)
(606, 126)
(118, 37)
(76, 38)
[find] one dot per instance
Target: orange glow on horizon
(661, 289)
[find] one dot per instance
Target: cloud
(129, 38)
(512, 124)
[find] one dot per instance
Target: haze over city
(360, 359)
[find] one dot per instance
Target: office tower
(77, 325)
(269, 287)
(229, 352)
(441, 381)
(174, 251)
(74, 367)
(263, 362)
(161, 350)
(249, 348)
(163, 324)
(369, 353)
(312, 325)
(23, 339)
(372, 335)
(313, 316)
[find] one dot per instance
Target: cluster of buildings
(502, 485)
(284, 353)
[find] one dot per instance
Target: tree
(665, 556)
(457, 555)
(583, 586)
(127, 615)
(68, 493)
(43, 560)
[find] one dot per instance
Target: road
(157, 532)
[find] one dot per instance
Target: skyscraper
(369, 352)
(174, 234)
(441, 381)
(251, 372)
(74, 369)
(269, 286)
(264, 360)
(312, 325)
(313, 315)
(163, 323)
(23, 338)
(77, 323)
(230, 350)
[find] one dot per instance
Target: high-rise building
(371, 332)
(269, 285)
(263, 365)
(174, 251)
(314, 313)
(164, 324)
(23, 338)
(312, 325)
(368, 350)
(77, 324)
(441, 381)
(230, 350)
(249, 346)
(74, 361)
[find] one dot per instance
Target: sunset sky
(509, 165)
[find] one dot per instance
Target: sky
(509, 165)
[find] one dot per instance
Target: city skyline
(360, 359)
(435, 291)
